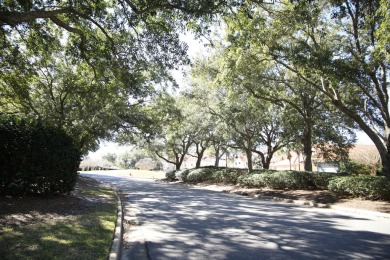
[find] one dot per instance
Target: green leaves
(36, 157)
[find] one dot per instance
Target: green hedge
(206, 174)
(227, 175)
(199, 175)
(177, 175)
(349, 167)
(368, 187)
(36, 158)
(170, 176)
(257, 179)
(285, 180)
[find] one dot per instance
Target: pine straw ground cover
(79, 226)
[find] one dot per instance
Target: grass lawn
(70, 227)
(147, 174)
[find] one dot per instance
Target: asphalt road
(187, 223)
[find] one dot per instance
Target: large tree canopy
(86, 65)
(336, 47)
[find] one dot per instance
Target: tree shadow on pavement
(182, 223)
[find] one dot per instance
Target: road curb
(116, 245)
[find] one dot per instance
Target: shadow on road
(183, 223)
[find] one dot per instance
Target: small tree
(111, 157)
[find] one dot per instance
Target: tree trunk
(199, 159)
(307, 151)
(307, 142)
(216, 164)
(249, 159)
(178, 161)
(386, 162)
(267, 162)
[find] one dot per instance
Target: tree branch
(16, 18)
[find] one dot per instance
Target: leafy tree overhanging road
(182, 223)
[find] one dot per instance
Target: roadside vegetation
(362, 186)
(291, 77)
(36, 157)
(79, 226)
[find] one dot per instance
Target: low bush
(321, 180)
(36, 158)
(177, 175)
(368, 187)
(227, 175)
(257, 179)
(181, 175)
(206, 174)
(285, 180)
(349, 167)
(199, 175)
(214, 175)
(171, 176)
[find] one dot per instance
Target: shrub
(206, 174)
(321, 180)
(285, 180)
(369, 187)
(199, 175)
(263, 171)
(349, 167)
(255, 180)
(36, 158)
(177, 175)
(171, 176)
(181, 175)
(227, 175)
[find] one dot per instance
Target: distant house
(190, 162)
(366, 154)
(236, 160)
(292, 161)
(360, 153)
(326, 167)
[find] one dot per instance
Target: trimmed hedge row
(206, 174)
(256, 179)
(36, 158)
(293, 180)
(370, 187)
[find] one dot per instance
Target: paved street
(188, 223)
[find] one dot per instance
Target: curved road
(189, 223)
